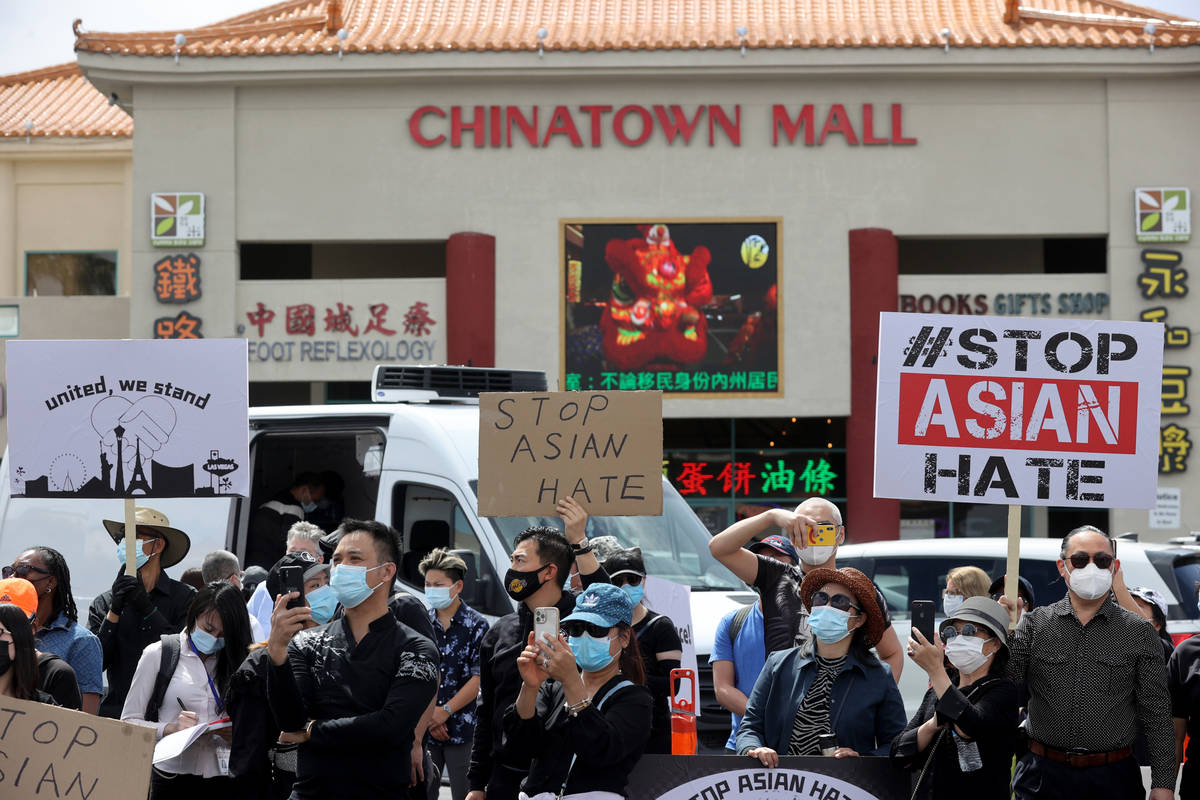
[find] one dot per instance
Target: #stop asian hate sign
(1018, 411)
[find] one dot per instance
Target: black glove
(122, 587)
(138, 600)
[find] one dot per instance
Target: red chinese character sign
(1018, 411)
(131, 418)
(177, 278)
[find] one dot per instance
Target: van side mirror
(472, 585)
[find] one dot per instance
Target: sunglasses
(1080, 560)
(838, 601)
(577, 627)
(970, 629)
(628, 579)
(21, 571)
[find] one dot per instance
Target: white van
(409, 459)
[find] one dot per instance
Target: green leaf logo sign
(1150, 221)
(165, 226)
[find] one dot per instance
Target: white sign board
(177, 219)
(1162, 213)
(1018, 410)
(674, 600)
(131, 418)
(1167, 513)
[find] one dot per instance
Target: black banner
(742, 778)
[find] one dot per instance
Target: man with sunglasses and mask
(1093, 671)
(541, 561)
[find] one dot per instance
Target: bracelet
(308, 729)
(574, 710)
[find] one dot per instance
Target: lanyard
(211, 687)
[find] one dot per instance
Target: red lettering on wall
(528, 129)
(458, 125)
(561, 123)
(838, 122)
(619, 126)
(596, 113)
(414, 126)
(494, 129)
(676, 124)
(733, 129)
(898, 126)
(781, 121)
(868, 126)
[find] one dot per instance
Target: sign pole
(1012, 568)
(130, 538)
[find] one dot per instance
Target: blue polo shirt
(748, 654)
(77, 646)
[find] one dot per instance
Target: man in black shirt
(271, 521)
(352, 692)
(541, 561)
(139, 609)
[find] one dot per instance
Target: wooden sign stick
(130, 538)
(1012, 568)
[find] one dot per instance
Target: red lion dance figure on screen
(653, 312)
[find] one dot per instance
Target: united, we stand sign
(1018, 411)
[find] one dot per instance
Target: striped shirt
(812, 717)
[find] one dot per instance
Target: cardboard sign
(742, 778)
(602, 448)
(132, 418)
(1018, 411)
(47, 751)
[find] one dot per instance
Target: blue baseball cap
(779, 544)
(603, 604)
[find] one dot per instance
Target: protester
(56, 629)
(263, 767)
(581, 716)
(271, 523)
(541, 559)
(1093, 671)
(302, 537)
(739, 650)
(200, 661)
(193, 577)
(602, 548)
(1152, 607)
(657, 639)
(458, 633)
(1026, 599)
(353, 692)
(54, 676)
(961, 583)
(139, 609)
(1183, 683)
(785, 620)
(18, 658)
(832, 683)
(251, 578)
(962, 739)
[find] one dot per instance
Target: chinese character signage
(1018, 410)
(177, 219)
(177, 278)
(128, 418)
(774, 475)
(1162, 214)
(339, 330)
(689, 308)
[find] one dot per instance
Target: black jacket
(254, 728)
(57, 679)
(987, 714)
(600, 746)
(267, 540)
(366, 697)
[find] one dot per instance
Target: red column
(471, 300)
(874, 287)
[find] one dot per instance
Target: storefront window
(58, 274)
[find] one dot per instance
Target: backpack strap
(167, 663)
(739, 619)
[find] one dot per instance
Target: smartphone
(293, 581)
(545, 621)
(822, 536)
(922, 618)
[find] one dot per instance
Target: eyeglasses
(22, 571)
(577, 627)
(1080, 560)
(627, 579)
(838, 601)
(969, 629)
(951, 593)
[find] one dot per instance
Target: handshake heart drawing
(149, 421)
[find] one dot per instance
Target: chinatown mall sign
(635, 125)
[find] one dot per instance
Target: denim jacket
(865, 708)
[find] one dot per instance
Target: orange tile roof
(59, 101)
(409, 26)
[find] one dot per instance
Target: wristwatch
(573, 710)
(582, 548)
(446, 708)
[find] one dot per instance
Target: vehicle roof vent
(395, 383)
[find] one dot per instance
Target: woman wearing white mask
(961, 741)
(961, 583)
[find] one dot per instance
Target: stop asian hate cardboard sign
(1018, 411)
(602, 448)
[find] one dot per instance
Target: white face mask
(966, 653)
(951, 603)
(817, 555)
(1091, 582)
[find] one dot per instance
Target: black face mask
(5, 661)
(521, 585)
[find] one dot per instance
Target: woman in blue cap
(582, 715)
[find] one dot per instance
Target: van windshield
(674, 545)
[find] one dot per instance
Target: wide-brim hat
(986, 612)
(603, 604)
(859, 584)
(154, 523)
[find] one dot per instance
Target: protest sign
(602, 448)
(1019, 411)
(47, 751)
(674, 600)
(132, 418)
(742, 778)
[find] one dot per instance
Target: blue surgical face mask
(828, 624)
(634, 593)
(308, 508)
(205, 642)
(142, 558)
(323, 603)
(591, 654)
(438, 596)
(349, 584)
